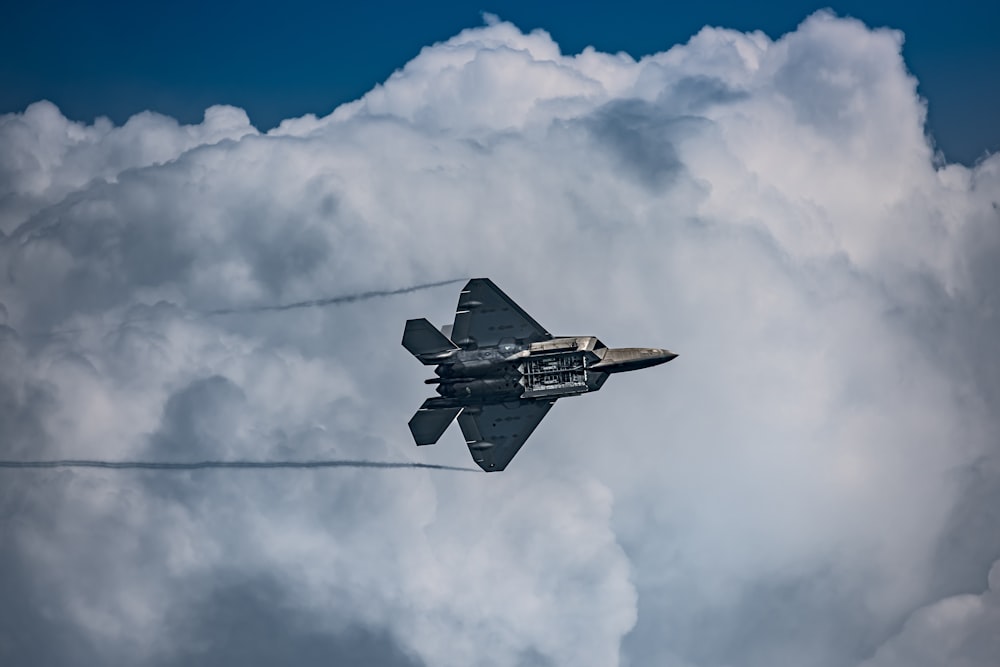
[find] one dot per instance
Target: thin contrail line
(312, 303)
(203, 465)
(331, 301)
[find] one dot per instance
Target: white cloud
(769, 209)
(46, 157)
(959, 631)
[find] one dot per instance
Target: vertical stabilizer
(424, 341)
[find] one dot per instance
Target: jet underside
(500, 372)
(512, 372)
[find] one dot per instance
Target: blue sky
(279, 60)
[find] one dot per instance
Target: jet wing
(494, 433)
(486, 315)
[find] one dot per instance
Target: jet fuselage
(545, 370)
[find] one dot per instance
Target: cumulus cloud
(47, 157)
(960, 630)
(811, 475)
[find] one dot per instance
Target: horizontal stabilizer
(427, 425)
(423, 340)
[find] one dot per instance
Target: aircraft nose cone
(661, 357)
(617, 360)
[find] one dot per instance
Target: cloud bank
(813, 482)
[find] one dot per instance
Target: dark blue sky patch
(281, 61)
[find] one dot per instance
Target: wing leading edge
(486, 315)
(495, 433)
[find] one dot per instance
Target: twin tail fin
(425, 342)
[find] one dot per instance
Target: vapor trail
(332, 301)
(312, 303)
(203, 465)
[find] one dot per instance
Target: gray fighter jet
(499, 372)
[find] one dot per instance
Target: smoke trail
(312, 303)
(332, 301)
(204, 465)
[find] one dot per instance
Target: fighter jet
(499, 371)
